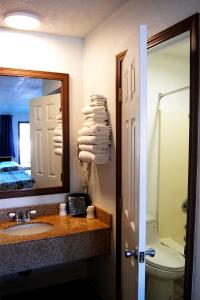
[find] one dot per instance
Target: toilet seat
(166, 259)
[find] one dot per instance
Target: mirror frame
(64, 78)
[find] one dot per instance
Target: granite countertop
(70, 239)
(62, 226)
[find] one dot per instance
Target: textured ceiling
(16, 92)
(63, 17)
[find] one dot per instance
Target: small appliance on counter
(77, 203)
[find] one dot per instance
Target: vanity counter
(71, 238)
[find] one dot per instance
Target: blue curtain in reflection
(6, 136)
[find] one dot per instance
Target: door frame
(119, 60)
(190, 24)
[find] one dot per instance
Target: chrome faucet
(22, 216)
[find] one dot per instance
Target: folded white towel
(58, 145)
(94, 140)
(96, 119)
(95, 130)
(92, 123)
(96, 115)
(100, 149)
(97, 96)
(59, 117)
(95, 109)
(57, 139)
(97, 102)
(97, 158)
(58, 151)
(58, 122)
(58, 132)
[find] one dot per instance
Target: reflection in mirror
(31, 133)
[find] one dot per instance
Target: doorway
(168, 113)
(190, 25)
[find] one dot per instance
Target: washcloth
(97, 158)
(92, 123)
(97, 96)
(96, 109)
(100, 149)
(99, 102)
(95, 130)
(57, 145)
(94, 140)
(58, 139)
(58, 151)
(58, 132)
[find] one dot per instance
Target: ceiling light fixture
(22, 20)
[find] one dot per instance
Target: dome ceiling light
(22, 20)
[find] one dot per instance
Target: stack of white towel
(94, 138)
(58, 136)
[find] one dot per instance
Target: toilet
(162, 269)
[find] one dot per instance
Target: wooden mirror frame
(64, 78)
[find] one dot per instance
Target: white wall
(47, 53)
(165, 73)
(114, 35)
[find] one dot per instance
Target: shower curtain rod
(174, 91)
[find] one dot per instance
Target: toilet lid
(166, 258)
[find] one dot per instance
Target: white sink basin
(27, 229)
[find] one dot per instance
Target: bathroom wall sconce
(22, 20)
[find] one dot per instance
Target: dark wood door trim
(190, 24)
(119, 60)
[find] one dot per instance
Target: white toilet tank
(151, 230)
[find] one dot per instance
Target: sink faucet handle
(12, 215)
(33, 212)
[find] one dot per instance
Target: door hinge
(120, 94)
(141, 257)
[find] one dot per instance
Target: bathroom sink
(28, 229)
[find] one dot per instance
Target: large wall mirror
(34, 133)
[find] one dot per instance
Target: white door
(134, 157)
(46, 166)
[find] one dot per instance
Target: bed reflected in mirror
(31, 134)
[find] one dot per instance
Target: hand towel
(58, 132)
(96, 149)
(94, 140)
(58, 151)
(57, 139)
(96, 109)
(96, 115)
(97, 158)
(95, 130)
(58, 145)
(92, 123)
(96, 119)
